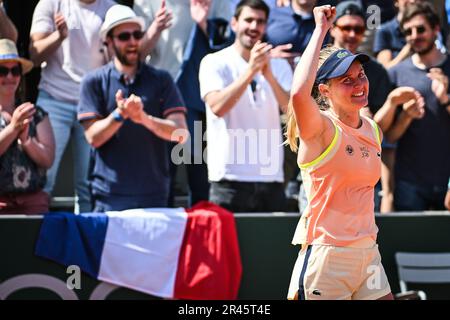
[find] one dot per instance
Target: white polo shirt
(246, 143)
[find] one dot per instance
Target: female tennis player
(339, 156)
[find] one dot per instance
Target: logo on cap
(342, 54)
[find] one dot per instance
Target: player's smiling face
(349, 91)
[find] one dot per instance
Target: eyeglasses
(15, 71)
(419, 30)
(359, 30)
(125, 36)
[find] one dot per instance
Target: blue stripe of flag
(72, 239)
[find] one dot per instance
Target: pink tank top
(339, 185)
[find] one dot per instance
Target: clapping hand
(22, 117)
(259, 56)
(414, 106)
(135, 108)
(403, 95)
(439, 84)
(61, 25)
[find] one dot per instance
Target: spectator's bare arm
(7, 28)
(42, 45)
(385, 116)
(172, 128)
(99, 131)
(199, 13)
(162, 21)
(386, 59)
(412, 110)
(221, 102)
(41, 148)
(281, 95)
(18, 121)
(439, 85)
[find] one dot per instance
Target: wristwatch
(117, 116)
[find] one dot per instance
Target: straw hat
(8, 52)
(117, 15)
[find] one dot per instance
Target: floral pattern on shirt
(18, 172)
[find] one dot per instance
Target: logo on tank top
(316, 292)
(349, 150)
(364, 151)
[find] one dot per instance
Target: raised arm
(306, 111)
(199, 13)
(162, 21)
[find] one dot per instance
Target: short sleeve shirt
(134, 161)
(18, 172)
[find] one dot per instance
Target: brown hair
(254, 4)
(291, 125)
(421, 8)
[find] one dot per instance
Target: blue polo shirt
(134, 162)
(285, 26)
(389, 37)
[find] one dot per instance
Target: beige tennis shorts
(324, 272)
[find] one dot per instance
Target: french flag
(170, 253)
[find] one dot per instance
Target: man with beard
(244, 91)
(423, 153)
(129, 111)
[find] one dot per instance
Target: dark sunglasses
(357, 29)
(419, 30)
(15, 71)
(125, 36)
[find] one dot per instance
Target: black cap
(337, 64)
(349, 7)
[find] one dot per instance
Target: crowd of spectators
(141, 89)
